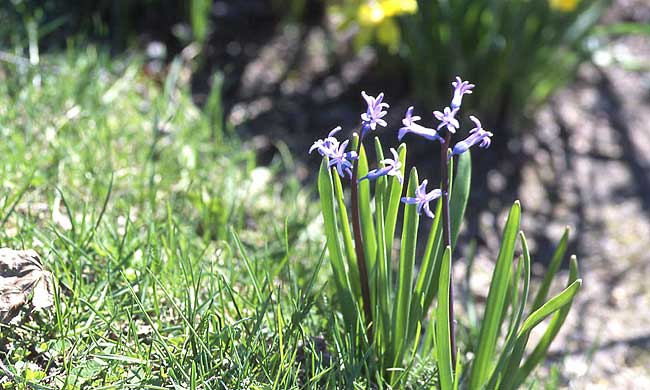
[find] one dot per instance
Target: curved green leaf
(551, 306)
(541, 349)
(553, 267)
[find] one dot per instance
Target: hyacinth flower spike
(391, 168)
(447, 119)
(478, 135)
(375, 111)
(411, 127)
(327, 146)
(422, 199)
(460, 88)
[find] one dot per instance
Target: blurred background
(563, 84)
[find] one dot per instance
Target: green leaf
(380, 279)
(551, 306)
(495, 301)
(541, 349)
(365, 214)
(515, 377)
(405, 275)
(512, 333)
(326, 192)
(553, 267)
(460, 195)
(443, 333)
(350, 255)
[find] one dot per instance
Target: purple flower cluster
(375, 112)
(342, 160)
(478, 135)
(335, 151)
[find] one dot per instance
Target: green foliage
(403, 293)
(116, 182)
(401, 296)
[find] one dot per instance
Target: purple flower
(391, 168)
(335, 151)
(478, 135)
(460, 88)
(422, 198)
(411, 127)
(342, 159)
(447, 118)
(372, 117)
(328, 145)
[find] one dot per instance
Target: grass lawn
(179, 263)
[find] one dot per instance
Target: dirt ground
(586, 164)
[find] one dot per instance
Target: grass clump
(132, 196)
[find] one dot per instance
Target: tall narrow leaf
(405, 276)
(326, 193)
(512, 332)
(491, 320)
(380, 273)
(443, 336)
(553, 267)
(344, 225)
(365, 214)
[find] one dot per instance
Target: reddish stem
(446, 234)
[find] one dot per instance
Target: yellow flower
(564, 5)
(373, 12)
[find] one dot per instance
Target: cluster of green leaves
(401, 297)
(118, 182)
(519, 52)
(506, 368)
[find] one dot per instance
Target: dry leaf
(22, 276)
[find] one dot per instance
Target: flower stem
(446, 234)
(358, 246)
